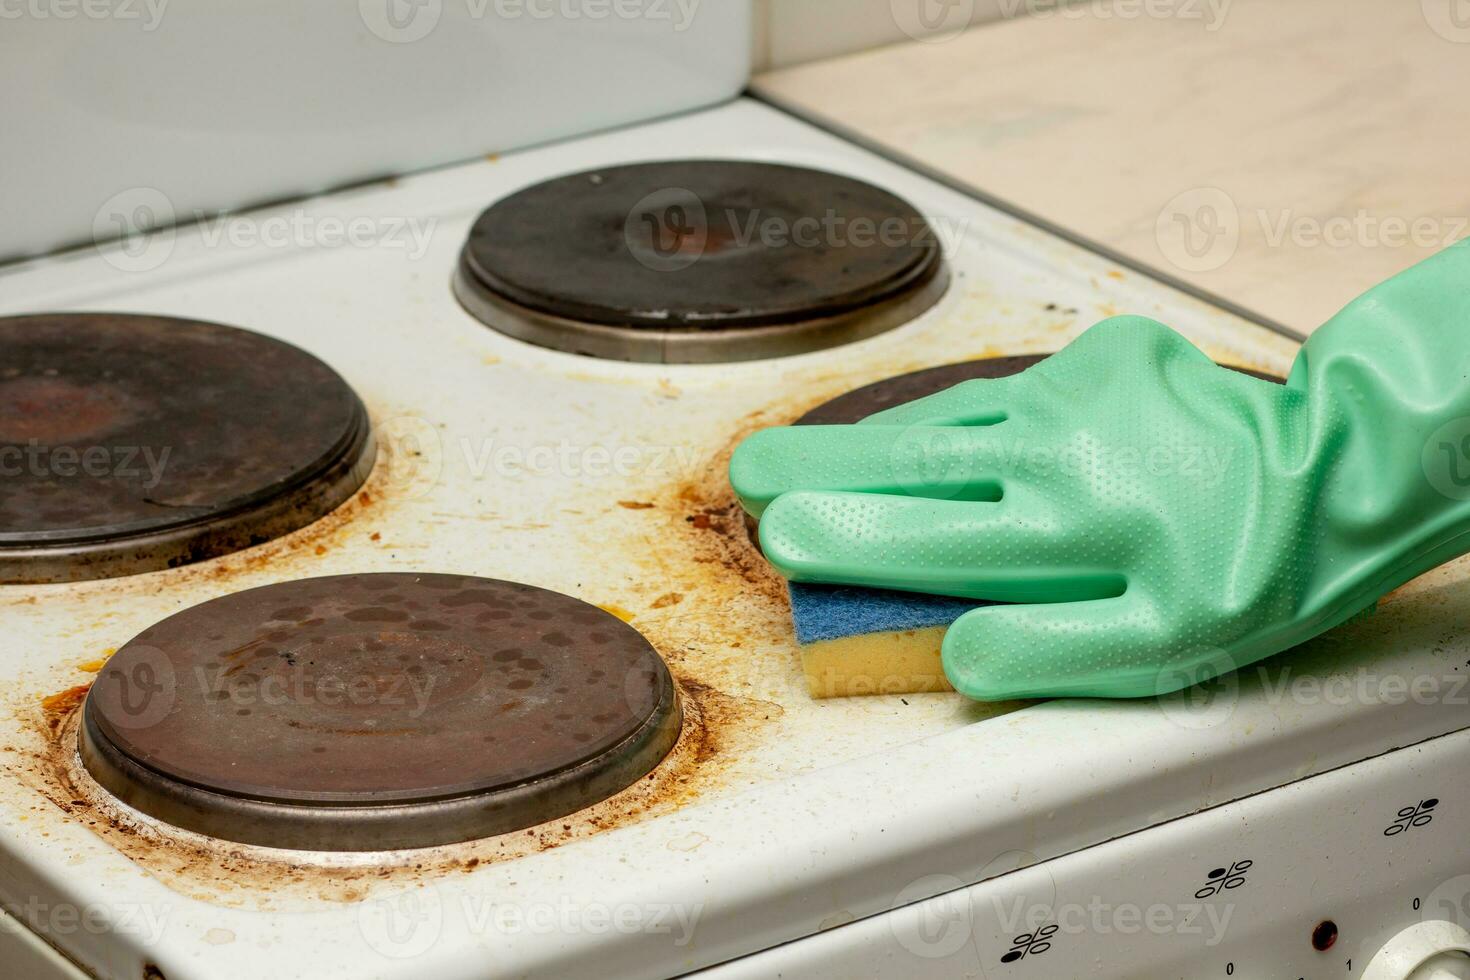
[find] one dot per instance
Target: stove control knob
(1434, 950)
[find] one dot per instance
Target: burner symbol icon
(1031, 943)
(1224, 879)
(1412, 816)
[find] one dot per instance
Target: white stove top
(776, 816)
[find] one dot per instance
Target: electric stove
(581, 743)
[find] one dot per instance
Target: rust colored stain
(689, 542)
(59, 705)
(244, 876)
(54, 411)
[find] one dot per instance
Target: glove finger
(1112, 648)
(952, 463)
(946, 547)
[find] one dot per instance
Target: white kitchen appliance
(1304, 818)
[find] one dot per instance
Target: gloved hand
(1160, 518)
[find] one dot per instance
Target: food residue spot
(689, 842)
(617, 611)
(93, 666)
(219, 937)
(65, 700)
(635, 505)
(668, 599)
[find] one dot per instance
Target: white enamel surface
(1143, 906)
(121, 113)
(822, 812)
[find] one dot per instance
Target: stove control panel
(1362, 872)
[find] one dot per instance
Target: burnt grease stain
(245, 876)
(706, 560)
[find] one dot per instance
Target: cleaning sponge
(874, 641)
(871, 641)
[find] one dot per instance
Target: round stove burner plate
(699, 261)
(133, 443)
(364, 712)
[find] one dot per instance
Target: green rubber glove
(1162, 519)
